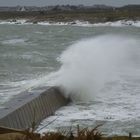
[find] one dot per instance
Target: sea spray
(89, 64)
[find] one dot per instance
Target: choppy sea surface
(98, 66)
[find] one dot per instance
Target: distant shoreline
(68, 13)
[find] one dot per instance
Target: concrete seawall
(31, 106)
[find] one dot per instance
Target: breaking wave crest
(89, 64)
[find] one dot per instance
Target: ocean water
(97, 66)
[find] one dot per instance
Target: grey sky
(72, 2)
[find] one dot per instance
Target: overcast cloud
(72, 2)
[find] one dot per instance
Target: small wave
(54, 23)
(120, 23)
(38, 32)
(17, 22)
(33, 56)
(14, 41)
(91, 63)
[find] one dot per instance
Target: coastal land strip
(93, 14)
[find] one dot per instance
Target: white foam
(53, 23)
(15, 41)
(17, 22)
(119, 23)
(20, 86)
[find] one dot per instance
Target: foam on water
(9, 89)
(53, 23)
(14, 41)
(119, 23)
(17, 22)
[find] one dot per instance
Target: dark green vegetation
(71, 13)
